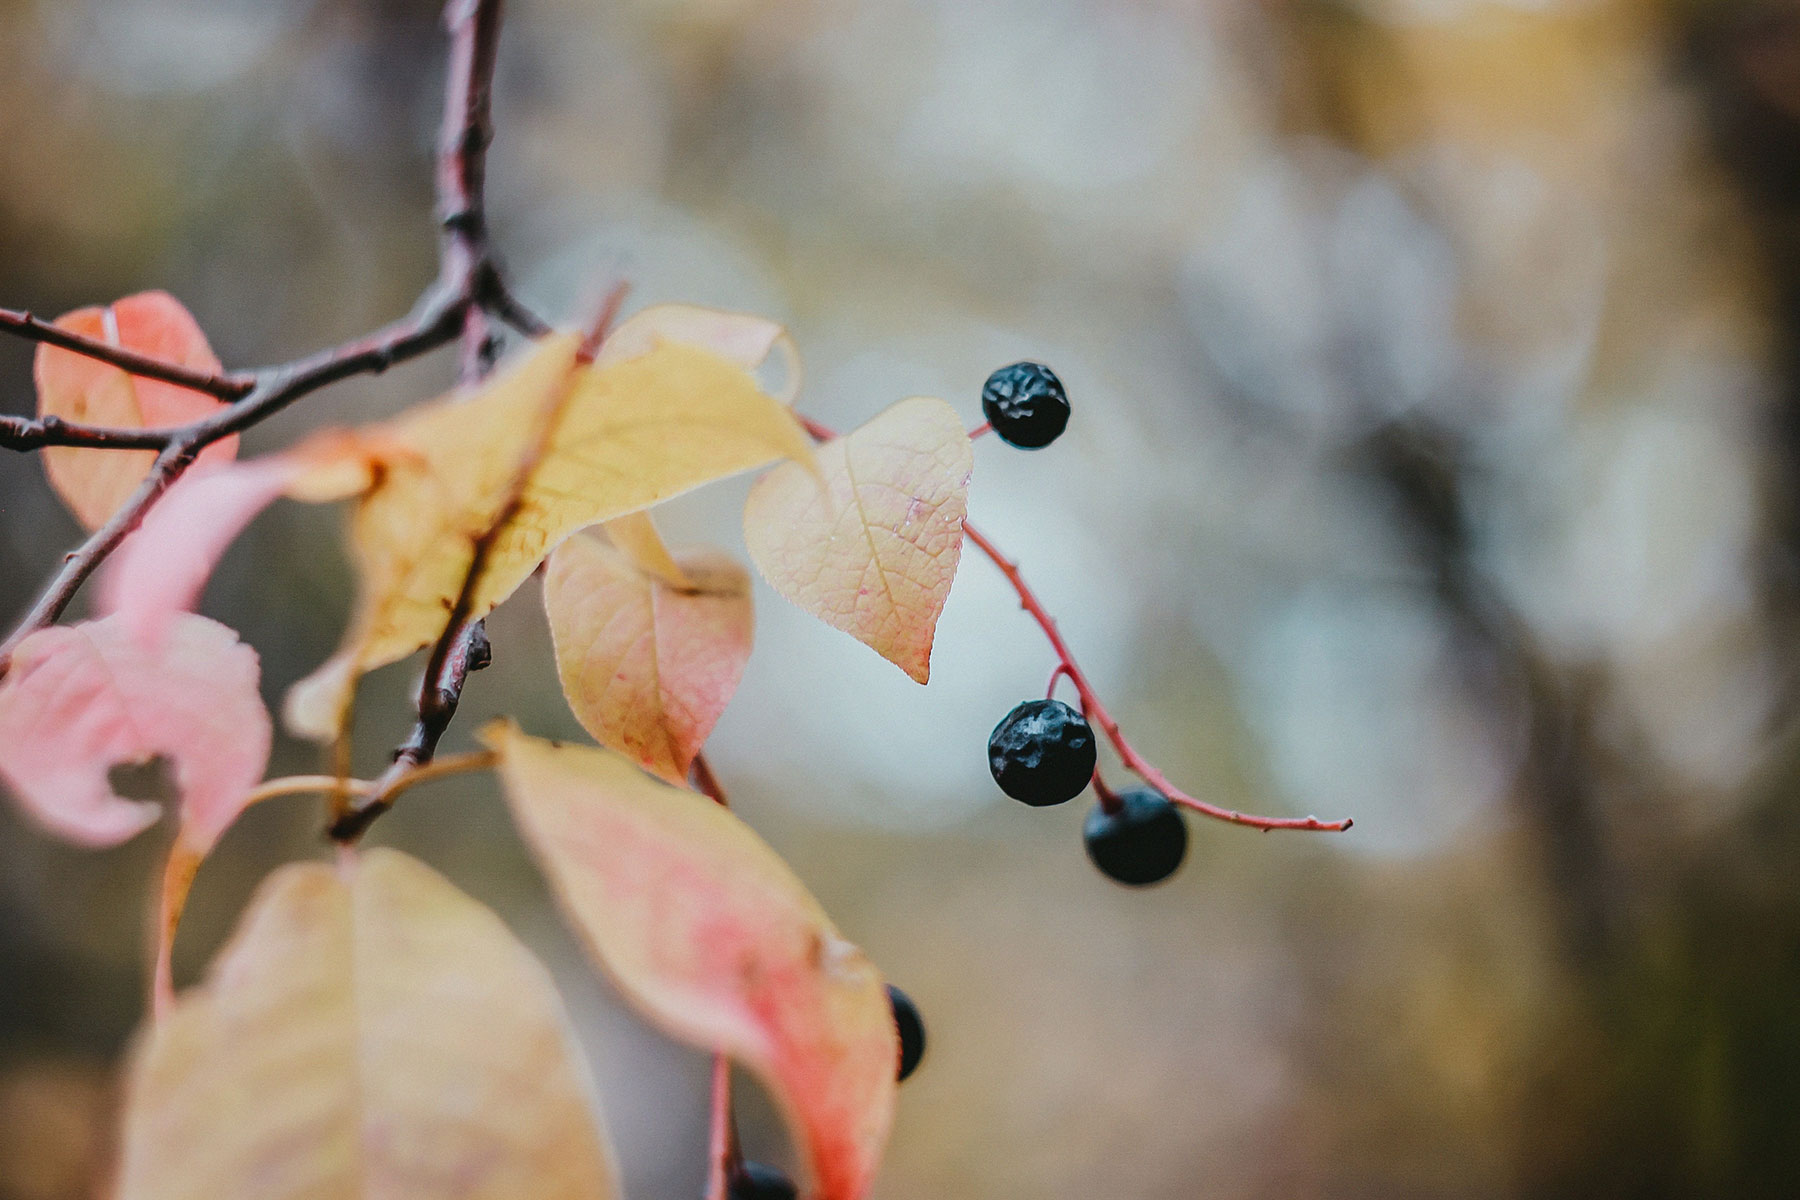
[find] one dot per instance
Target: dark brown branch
(224, 386)
(462, 647)
(468, 282)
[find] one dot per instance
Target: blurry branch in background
(1425, 471)
(469, 288)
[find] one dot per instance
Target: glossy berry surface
(1026, 405)
(912, 1030)
(1042, 753)
(759, 1181)
(1140, 844)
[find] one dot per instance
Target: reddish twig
(1096, 710)
(723, 1155)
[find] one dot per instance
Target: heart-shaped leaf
(874, 551)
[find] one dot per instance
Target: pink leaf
(708, 931)
(161, 569)
(81, 699)
(647, 667)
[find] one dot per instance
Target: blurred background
(1436, 461)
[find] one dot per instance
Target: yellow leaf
(647, 667)
(705, 928)
(874, 552)
(367, 1034)
(621, 436)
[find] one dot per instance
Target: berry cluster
(1044, 752)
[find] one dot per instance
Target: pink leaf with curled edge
(710, 933)
(81, 699)
(647, 667)
(874, 551)
(94, 483)
(369, 1033)
(162, 567)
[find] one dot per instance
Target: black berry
(1140, 844)
(759, 1181)
(1026, 405)
(1042, 753)
(912, 1030)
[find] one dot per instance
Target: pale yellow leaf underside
(370, 1035)
(647, 667)
(875, 551)
(630, 434)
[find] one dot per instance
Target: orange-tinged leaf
(370, 1033)
(874, 552)
(647, 667)
(628, 434)
(94, 483)
(709, 932)
(83, 698)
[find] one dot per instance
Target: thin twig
(723, 1156)
(1097, 713)
(213, 383)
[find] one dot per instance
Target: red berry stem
(1096, 711)
(723, 1154)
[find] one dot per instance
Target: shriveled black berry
(912, 1030)
(1042, 753)
(1140, 844)
(1026, 405)
(760, 1181)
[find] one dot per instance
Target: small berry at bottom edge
(760, 1181)
(912, 1031)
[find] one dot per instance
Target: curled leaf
(367, 1033)
(647, 667)
(94, 483)
(628, 434)
(874, 551)
(706, 929)
(81, 699)
(162, 566)
(636, 537)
